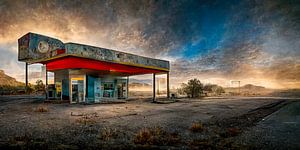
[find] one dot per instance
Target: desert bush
(42, 108)
(11, 90)
(156, 136)
(213, 88)
(108, 133)
(39, 86)
(197, 127)
(29, 89)
(193, 89)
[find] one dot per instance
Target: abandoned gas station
(86, 74)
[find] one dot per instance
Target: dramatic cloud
(216, 41)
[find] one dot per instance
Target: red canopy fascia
(72, 62)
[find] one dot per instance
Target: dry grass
(42, 108)
(86, 120)
(201, 144)
(26, 142)
(108, 133)
(24, 138)
(197, 127)
(156, 136)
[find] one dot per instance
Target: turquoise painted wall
(90, 88)
(65, 88)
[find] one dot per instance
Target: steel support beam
(26, 75)
(168, 85)
(46, 84)
(46, 78)
(127, 85)
(154, 96)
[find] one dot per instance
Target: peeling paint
(35, 48)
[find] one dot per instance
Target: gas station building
(86, 74)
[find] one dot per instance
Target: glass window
(108, 89)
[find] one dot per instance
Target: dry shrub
(202, 144)
(197, 127)
(86, 120)
(108, 133)
(42, 108)
(156, 136)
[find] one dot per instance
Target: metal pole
(158, 86)
(46, 84)
(153, 87)
(127, 89)
(46, 78)
(168, 85)
(26, 75)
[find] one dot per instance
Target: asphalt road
(280, 130)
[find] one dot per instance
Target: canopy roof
(71, 62)
(35, 48)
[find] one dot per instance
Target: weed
(108, 133)
(156, 136)
(202, 144)
(85, 120)
(42, 108)
(197, 127)
(27, 142)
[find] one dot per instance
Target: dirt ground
(208, 123)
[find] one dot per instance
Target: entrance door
(97, 90)
(122, 90)
(77, 91)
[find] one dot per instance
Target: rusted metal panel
(35, 48)
(114, 56)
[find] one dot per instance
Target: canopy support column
(154, 97)
(168, 85)
(46, 78)
(26, 75)
(46, 84)
(127, 85)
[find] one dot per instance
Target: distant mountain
(147, 81)
(135, 86)
(248, 90)
(252, 87)
(7, 80)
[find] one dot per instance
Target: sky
(252, 41)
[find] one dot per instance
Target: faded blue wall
(90, 88)
(65, 89)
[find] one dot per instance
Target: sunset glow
(255, 42)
